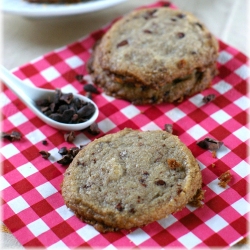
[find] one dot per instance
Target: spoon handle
(25, 92)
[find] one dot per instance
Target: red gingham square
(33, 208)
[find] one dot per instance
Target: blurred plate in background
(36, 10)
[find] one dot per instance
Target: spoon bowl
(29, 94)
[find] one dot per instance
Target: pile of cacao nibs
(66, 108)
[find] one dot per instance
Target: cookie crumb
(214, 154)
(224, 179)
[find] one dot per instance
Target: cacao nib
(210, 144)
(68, 155)
(13, 136)
(79, 78)
(180, 35)
(142, 181)
(63, 151)
(93, 129)
(119, 207)
(122, 43)
(86, 110)
(180, 15)
(90, 88)
(199, 25)
(132, 210)
(160, 183)
(147, 31)
(45, 154)
(74, 151)
(66, 160)
(70, 137)
(208, 98)
(44, 142)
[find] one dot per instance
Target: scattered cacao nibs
(196, 201)
(13, 136)
(66, 160)
(44, 142)
(86, 186)
(145, 173)
(208, 98)
(93, 129)
(122, 43)
(79, 78)
(70, 137)
(224, 179)
(210, 144)
(63, 108)
(160, 183)
(90, 88)
(45, 154)
(173, 19)
(180, 35)
(68, 155)
(173, 164)
(119, 207)
(168, 128)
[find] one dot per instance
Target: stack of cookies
(130, 178)
(155, 55)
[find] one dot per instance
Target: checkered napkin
(32, 205)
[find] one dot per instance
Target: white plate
(23, 8)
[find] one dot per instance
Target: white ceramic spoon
(29, 95)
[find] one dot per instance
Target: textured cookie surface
(155, 49)
(130, 178)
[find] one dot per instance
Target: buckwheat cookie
(155, 55)
(130, 178)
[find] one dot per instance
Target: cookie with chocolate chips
(155, 55)
(130, 178)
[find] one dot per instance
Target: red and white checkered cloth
(32, 205)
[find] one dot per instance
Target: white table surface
(24, 39)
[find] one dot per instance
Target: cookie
(130, 178)
(155, 55)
